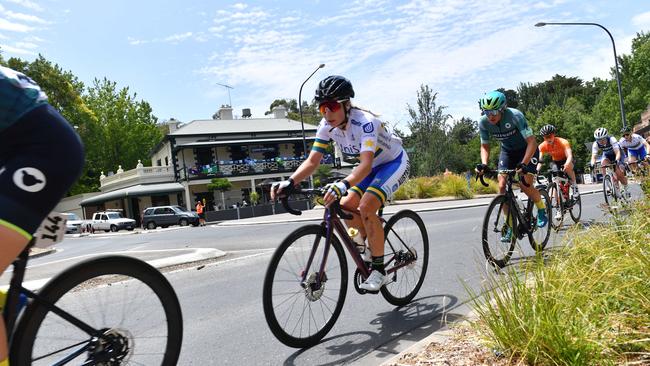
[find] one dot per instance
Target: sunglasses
(332, 105)
(490, 112)
(626, 134)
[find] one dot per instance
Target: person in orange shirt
(560, 150)
(199, 210)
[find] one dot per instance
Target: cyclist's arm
(647, 145)
(530, 149)
(485, 153)
(307, 167)
(594, 151)
(569, 155)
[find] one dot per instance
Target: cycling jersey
(512, 130)
(609, 148)
(364, 132)
(557, 149)
(18, 95)
(635, 143)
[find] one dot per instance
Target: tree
(222, 185)
(427, 143)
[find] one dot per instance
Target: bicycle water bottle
(565, 190)
(360, 244)
(22, 300)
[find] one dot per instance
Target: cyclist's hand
(481, 168)
(282, 188)
(334, 191)
(522, 168)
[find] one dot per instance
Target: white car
(73, 223)
(111, 221)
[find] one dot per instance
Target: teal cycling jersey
(18, 95)
(512, 130)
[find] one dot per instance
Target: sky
(174, 54)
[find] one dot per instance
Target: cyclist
(611, 153)
(637, 147)
(40, 158)
(560, 151)
(518, 148)
(383, 166)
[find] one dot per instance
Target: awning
(134, 191)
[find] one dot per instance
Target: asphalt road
(221, 300)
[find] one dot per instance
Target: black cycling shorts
(41, 156)
(509, 160)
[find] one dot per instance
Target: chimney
(280, 112)
(225, 112)
(173, 124)
(246, 113)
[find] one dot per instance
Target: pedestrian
(199, 210)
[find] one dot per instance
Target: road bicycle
(562, 198)
(103, 311)
(611, 187)
(306, 281)
(508, 218)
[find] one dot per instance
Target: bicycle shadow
(412, 322)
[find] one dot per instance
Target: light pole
(618, 77)
(302, 123)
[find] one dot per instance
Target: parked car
(73, 223)
(111, 221)
(165, 216)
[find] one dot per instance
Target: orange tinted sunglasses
(332, 105)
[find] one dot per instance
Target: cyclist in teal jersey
(40, 158)
(518, 147)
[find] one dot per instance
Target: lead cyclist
(41, 156)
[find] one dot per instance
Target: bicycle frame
(512, 200)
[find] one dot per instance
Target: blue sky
(173, 54)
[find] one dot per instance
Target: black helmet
(626, 130)
(547, 130)
(334, 87)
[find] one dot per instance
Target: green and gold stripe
(357, 190)
(377, 192)
(320, 145)
(15, 228)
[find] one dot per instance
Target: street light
(302, 123)
(618, 77)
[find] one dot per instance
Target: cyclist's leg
(352, 201)
(40, 158)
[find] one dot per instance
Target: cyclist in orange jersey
(560, 151)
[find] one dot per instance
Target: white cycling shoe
(374, 282)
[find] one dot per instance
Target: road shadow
(412, 322)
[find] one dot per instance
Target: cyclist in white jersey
(611, 154)
(637, 147)
(383, 165)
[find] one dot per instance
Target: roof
(237, 142)
(244, 125)
(134, 191)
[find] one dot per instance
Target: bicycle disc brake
(112, 348)
(313, 292)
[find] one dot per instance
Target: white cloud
(642, 21)
(26, 45)
(16, 50)
(175, 38)
(14, 27)
(240, 6)
(24, 17)
(27, 4)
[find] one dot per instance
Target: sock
(540, 205)
(378, 264)
(4, 362)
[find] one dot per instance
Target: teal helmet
(493, 101)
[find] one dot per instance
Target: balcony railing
(249, 167)
(139, 175)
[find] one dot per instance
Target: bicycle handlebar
(336, 205)
(509, 172)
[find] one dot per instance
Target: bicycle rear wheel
(557, 206)
(539, 236)
(300, 314)
(496, 225)
(406, 246)
(129, 303)
(576, 209)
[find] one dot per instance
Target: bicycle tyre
(497, 204)
(276, 268)
(577, 206)
(400, 292)
(557, 202)
(55, 291)
(609, 190)
(533, 223)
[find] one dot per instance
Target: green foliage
(441, 186)
(310, 113)
(598, 317)
(219, 184)
(254, 197)
(455, 186)
(323, 173)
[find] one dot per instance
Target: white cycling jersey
(635, 143)
(609, 148)
(364, 132)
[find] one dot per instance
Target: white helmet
(600, 133)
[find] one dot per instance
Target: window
(158, 162)
(159, 211)
(166, 161)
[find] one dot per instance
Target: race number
(51, 230)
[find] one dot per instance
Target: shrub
(455, 185)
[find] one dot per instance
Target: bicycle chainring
(358, 280)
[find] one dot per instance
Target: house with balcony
(248, 152)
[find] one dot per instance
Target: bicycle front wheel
(608, 190)
(576, 209)
(539, 236)
(299, 313)
(557, 206)
(406, 251)
(131, 306)
(499, 236)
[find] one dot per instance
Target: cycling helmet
(547, 130)
(493, 101)
(625, 130)
(334, 87)
(600, 133)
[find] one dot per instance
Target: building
(643, 127)
(246, 151)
